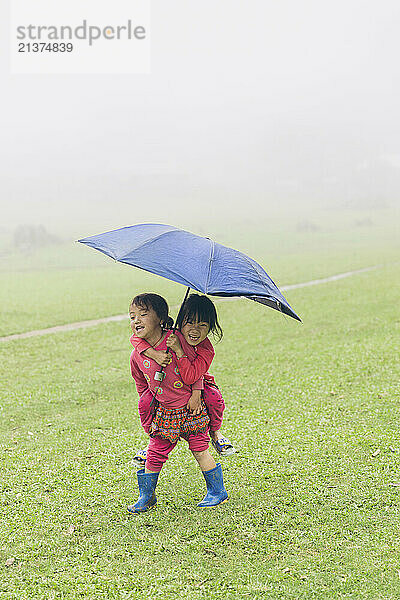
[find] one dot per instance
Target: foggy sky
(249, 105)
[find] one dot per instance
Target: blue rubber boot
(216, 493)
(147, 497)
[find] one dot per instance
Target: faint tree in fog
(31, 237)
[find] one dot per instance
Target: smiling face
(195, 331)
(145, 323)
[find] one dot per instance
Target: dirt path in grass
(94, 322)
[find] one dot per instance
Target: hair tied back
(168, 323)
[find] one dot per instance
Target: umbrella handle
(180, 310)
(160, 375)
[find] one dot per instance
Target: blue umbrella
(194, 261)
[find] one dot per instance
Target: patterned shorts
(172, 424)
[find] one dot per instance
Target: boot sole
(215, 505)
(141, 512)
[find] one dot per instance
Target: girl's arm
(197, 385)
(139, 344)
(143, 347)
(193, 370)
(140, 381)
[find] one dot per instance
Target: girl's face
(144, 322)
(195, 331)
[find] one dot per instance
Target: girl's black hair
(201, 309)
(158, 304)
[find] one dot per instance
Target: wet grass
(313, 509)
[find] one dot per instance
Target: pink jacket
(192, 367)
(172, 392)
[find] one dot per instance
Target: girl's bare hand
(194, 404)
(173, 343)
(162, 358)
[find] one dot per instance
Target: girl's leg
(146, 418)
(215, 407)
(198, 444)
(212, 472)
(205, 460)
(157, 454)
(145, 410)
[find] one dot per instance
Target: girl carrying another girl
(172, 420)
(194, 351)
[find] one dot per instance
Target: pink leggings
(213, 400)
(159, 449)
(215, 406)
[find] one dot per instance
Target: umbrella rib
(156, 237)
(212, 249)
(259, 276)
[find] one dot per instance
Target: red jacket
(192, 367)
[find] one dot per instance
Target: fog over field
(250, 108)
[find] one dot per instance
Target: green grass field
(314, 409)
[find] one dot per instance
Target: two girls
(194, 351)
(171, 420)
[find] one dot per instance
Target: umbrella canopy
(194, 261)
